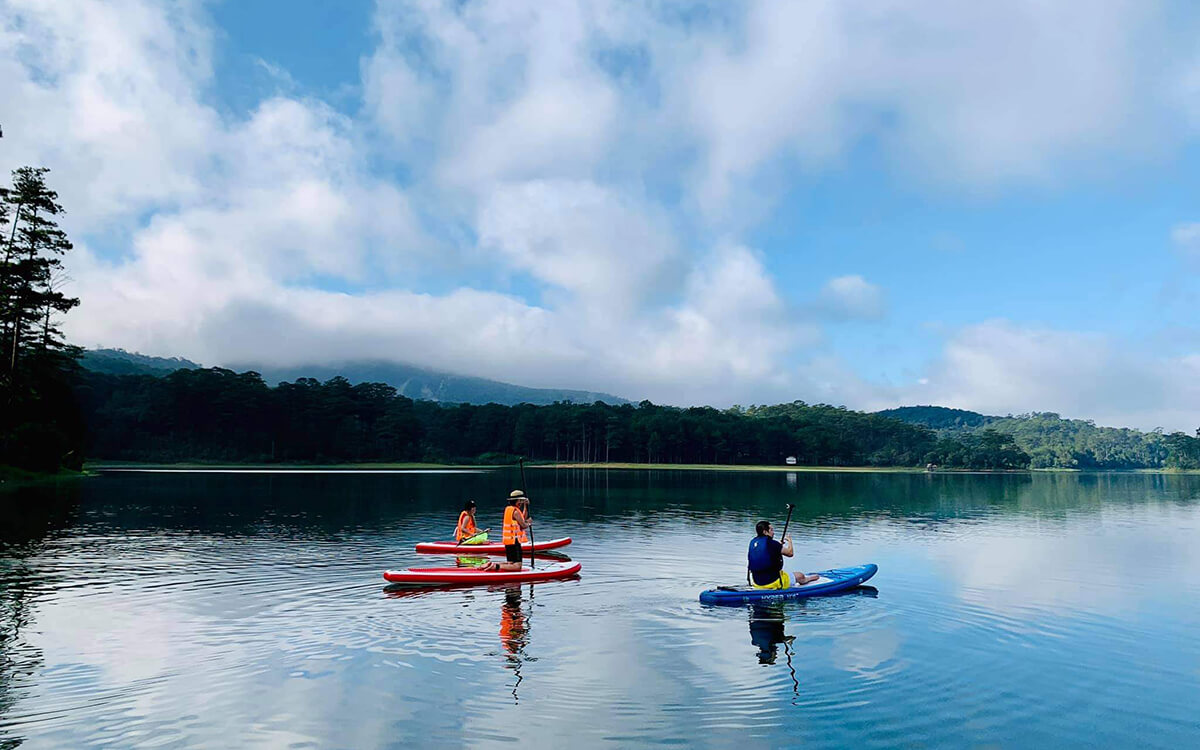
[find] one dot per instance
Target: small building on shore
(790, 460)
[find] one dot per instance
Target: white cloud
(999, 367)
(613, 252)
(976, 94)
(851, 298)
(106, 95)
(732, 329)
(606, 156)
(1187, 239)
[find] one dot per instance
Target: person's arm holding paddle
(466, 532)
(515, 525)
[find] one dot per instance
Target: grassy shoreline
(186, 465)
(11, 476)
(735, 467)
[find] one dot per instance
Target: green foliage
(1079, 444)
(220, 415)
(431, 385)
(938, 417)
(1052, 442)
(986, 449)
(39, 428)
(121, 362)
(1183, 451)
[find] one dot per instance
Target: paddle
(469, 538)
(783, 536)
(532, 559)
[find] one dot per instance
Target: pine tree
(35, 360)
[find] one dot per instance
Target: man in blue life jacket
(765, 560)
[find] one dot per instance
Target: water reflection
(1021, 610)
(768, 626)
(767, 631)
(514, 633)
(30, 515)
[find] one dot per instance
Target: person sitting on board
(516, 523)
(466, 532)
(765, 560)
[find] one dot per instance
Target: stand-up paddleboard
(490, 548)
(436, 576)
(830, 582)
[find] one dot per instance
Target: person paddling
(765, 560)
(466, 532)
(516, 523)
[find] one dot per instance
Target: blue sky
(989, 206)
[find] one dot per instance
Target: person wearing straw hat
(516, 526)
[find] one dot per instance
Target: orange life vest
(466, 527)
(513, 532)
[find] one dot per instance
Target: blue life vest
(765, 559)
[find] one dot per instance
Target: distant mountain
(410, 380)
(431, 385)
(939, 417)
(121, 362)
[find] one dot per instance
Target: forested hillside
(426, 384)
(220, 415)
(938, 417)
(1054, 442)
(121, 362)
(409, 380)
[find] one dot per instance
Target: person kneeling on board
(516, 523)
(765, 560)
(466, 532)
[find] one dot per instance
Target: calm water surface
(248, 610)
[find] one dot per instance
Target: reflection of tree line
(16, 659)
(330, 505)
(22, 536)
(823, 498)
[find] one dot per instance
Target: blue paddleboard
(830, 582)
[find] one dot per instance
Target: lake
(248, 610)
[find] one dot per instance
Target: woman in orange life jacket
(516, 523)
(466, 532)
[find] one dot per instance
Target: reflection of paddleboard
(428, 576)
(491, 548)
(830, 582)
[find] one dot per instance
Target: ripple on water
(277, 630)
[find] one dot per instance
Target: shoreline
(97, 466)
(12, 477)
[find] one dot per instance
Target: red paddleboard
(434, 576)
(491, 548)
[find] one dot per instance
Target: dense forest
(1054, 442)
(219, 415)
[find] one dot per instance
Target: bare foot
(808, 579)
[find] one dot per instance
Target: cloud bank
(561, 193)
